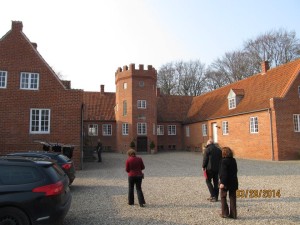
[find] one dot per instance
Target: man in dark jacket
(211, 162)
(99, 150)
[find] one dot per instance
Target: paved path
(175, 192)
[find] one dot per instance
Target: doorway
(142, 144)
(215, 132)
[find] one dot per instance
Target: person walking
(211, 162)
(228, 183)
(134, 167)
(99, 150)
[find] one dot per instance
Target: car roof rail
(26, 159)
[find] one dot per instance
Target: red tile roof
(239, 91)
(258, 90)
(255, 92)
(99, 106)
(171, 108)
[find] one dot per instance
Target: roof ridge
(293, 77)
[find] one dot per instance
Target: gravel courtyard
(175, 192)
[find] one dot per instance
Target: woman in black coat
(228, 183)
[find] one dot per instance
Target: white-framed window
(93, 129)
(225, 127)
(124, 108)
(141, 128)
(204, 129)
(187, 131)
(299, 91)
(141, 104)
(232, 103)
(39, 121)
(125, 129)
(3, 79)
(124, 85)
(171, 129)
(106, 129)
(253, 125)
(160, 129)
(296, 122)
(29, 81)
(153, 129)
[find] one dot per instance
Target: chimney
(34, 45)
(264, 67)
(102, 89)
(17, 26)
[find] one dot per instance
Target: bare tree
(214, 80)
(182, 78)
(192, 78)
(166, 79)
(277, 47)
(230, 68)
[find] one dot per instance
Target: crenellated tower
(136, 107)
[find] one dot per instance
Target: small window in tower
(125, 85)
(141, 83)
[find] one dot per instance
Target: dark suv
(32, 191)
(63, 161)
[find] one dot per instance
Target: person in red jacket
(134, 167)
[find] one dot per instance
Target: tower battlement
(131, 71)
(131, 67)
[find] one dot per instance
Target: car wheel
(13, 216)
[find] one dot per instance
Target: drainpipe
(81, 136)
(271, 133)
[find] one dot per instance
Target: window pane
(160, 130)
(253, 125)
(106, 129)
(29, 81)
(172, 130)
(204, 129)
(93, 130)
(124, 108)
(40, 121)
(3, 79)
(297, 123)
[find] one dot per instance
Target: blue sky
(86, 41)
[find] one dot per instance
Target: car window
(14, 175)
(63, 158)
(55, 172)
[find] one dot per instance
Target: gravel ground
(175, 192)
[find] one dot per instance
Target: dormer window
(234, 97)
(232, 103)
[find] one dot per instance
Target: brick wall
(135, 91)
(287, 138)
(196, 141)
(108, 141)
(18, 55)
(171, 142)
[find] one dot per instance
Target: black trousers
(231, 212)
(99, 156)
(137, 182)
(212, 183)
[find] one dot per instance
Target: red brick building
(258, 117)
(35, 104)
